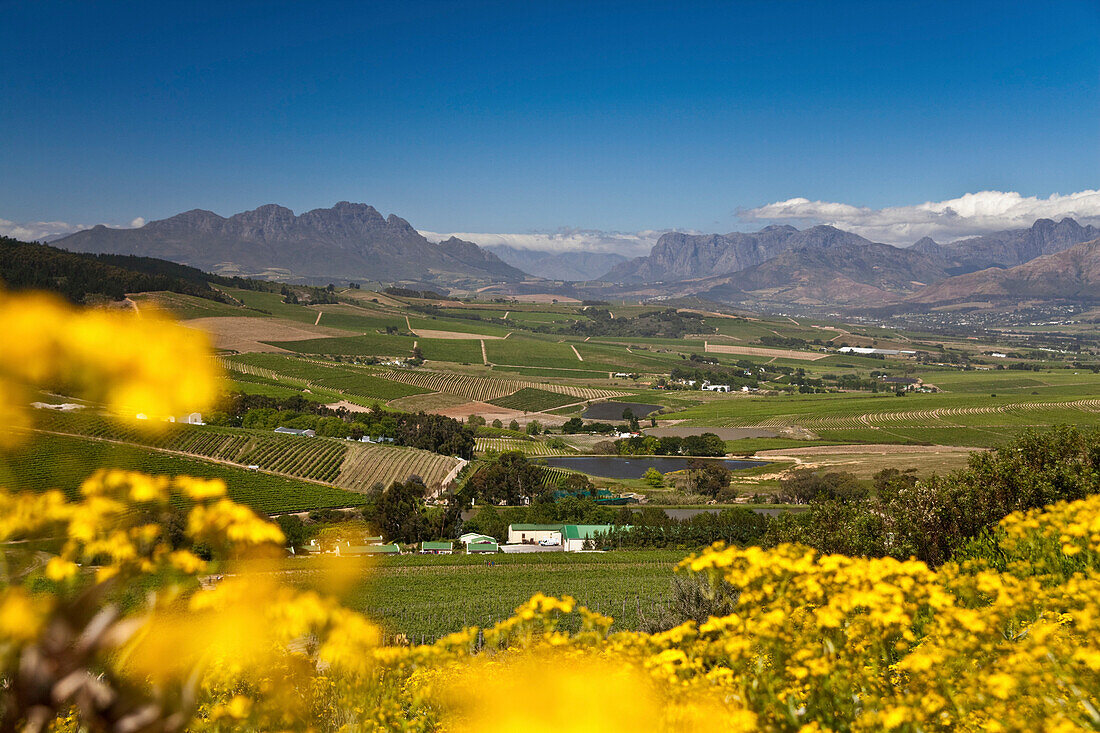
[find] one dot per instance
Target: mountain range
(776, 266)
(347, 242)
(1072, 274)
(826, 266)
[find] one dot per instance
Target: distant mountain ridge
(824, 265)
(572, 266)
(679, 256)
(1072, 274)
(346, 242)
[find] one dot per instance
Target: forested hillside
(77, 276)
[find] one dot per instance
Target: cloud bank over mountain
(628, 244)
(969, 215)
(48, 231)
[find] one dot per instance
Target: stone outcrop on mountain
(1072, 274)
(347, 242)
(1017, 246)
(679, 256)
(572, 266)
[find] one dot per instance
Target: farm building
(191, 418)
(477, 548)
(575, 535)
(519, 534)
(471, 537)
(436, 548)
(570, 536)
(708, 387)
(295, 431)
(63, 407)
(359, 550)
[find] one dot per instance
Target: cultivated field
(530, 447)
(430, 596)
(759, 351)
(244, 334)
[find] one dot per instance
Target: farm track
(913, 417)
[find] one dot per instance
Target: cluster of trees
(79, 277)
(653, 528)
(576, 425)
(707, 444)
(307, 294)
(494, 520)
(409, 293)
(933, 518)
(398, 513)
(509, 479)
(788, 342)
(426, 431)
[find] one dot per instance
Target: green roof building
(353, 550)
(476, 548)
(436, 548)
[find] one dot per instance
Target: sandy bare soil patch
(350, 406)
(427, 402)
(484, 409)
(244, 333)
(453, 335)
(760, 351)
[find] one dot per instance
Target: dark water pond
(614, 410)
(634, 466)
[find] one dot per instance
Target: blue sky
(514, 117)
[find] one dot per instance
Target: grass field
(429, 596)
(62, 462)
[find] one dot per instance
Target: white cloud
(969, 215)
(628, 244)
(47, 231)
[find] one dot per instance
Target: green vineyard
(63, 462)
(484, 389)
(530, 447)
(349, 465)
(531, 399)
(317, 459)
(368, 465)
